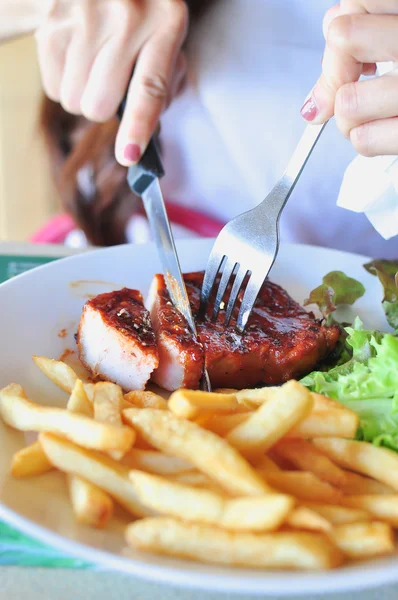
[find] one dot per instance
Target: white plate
(37, 305)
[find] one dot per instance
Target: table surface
(17, 583)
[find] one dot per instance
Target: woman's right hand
(87, 50)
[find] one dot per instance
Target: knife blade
(143, 179)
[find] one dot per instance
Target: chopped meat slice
(115, 339)
(281, 341)
(181, 357)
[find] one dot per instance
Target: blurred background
(27, 195)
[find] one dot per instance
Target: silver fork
(248, 245)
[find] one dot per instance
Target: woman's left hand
(358, 34)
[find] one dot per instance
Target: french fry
(265, 463)
(205, 450)
(155, 462)
(59, 372)
(339, 515)
(282, 463)
(340, 422)
(98, 469)
(78, 401)
(251, 398)
(145, 399)
(90, 504)
(254, 398)
(383, 508)
(223, 424)
(379, 463)
(22, 414)
(286, 550)
(307, 519)
(306, 457)
(261, 513)
(360, 540)
(108, 400)
(142, 444)
(200, 480)
(269, 423)
(195, 478)
(30, 461)
(89, 389)
(189, 404)
(322, 402)
(302, 485)
(355, 484)
(202, 419)
(326, 423)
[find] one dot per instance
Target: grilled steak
(115, 339)
(181, 357)
(281, 341)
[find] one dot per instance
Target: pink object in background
(197, 222)
(54, 231)
(57, 228)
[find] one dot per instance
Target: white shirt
(228, 138)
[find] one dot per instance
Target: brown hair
(79, 149)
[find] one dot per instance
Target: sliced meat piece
(116, 341)
(181, 357)
(281, 341)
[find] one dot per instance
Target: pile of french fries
(268, 478)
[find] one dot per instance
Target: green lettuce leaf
(336, 289)
(387, 272)
(367, 383)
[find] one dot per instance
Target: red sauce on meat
(173, 324)
(281, 340)
(124, 310)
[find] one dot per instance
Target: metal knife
(143, 179)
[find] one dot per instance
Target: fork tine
(213, 266)
(252, 290)
(239, 278)
(228, 269)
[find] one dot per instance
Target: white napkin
(370, 186)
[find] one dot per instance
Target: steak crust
(181, 356)
(115, 339)
(281, 341)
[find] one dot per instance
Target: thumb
(338, 68)
(318, 106)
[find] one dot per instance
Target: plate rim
(179, 245)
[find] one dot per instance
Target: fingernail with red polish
(309, 110)
(132, 152)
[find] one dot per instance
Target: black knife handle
(149, 167)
